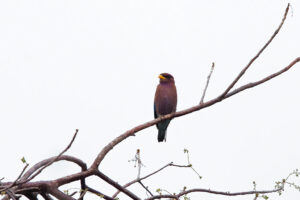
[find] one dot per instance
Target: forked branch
(24, 184)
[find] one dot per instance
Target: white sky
(93, 65)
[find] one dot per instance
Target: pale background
(93, 65)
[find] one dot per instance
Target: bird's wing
(155, 114)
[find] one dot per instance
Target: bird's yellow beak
(161, 77)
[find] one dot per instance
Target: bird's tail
(161, 135)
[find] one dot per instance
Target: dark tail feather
(161, 135)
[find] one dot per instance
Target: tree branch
(253, 84)
(46, 196)
(92, 190)
(207, 82)
(258, 54)
(221, 97)
(116, 185)
(42, 163)
(147, 176)
(59, 194)
(17, 179)
(213, 192)
(51, 186)
(11, 195)
(146, 188)
(54, 160)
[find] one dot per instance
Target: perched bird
(165, 102)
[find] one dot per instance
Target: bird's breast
(166, 100)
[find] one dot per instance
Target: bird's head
(166, 78)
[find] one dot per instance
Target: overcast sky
(94, 65)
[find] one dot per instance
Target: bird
(165, 102)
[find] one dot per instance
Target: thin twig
(184, 166)
(213, 192)
(253, 84)
(54, 160)
(146, 188)
(17, 179)
(44, 162)
(137, 160)
(207, 82)
(258, 54)
(147, 176)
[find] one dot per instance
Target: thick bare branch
(31, 196)
(116, 185)
(46, 196)
(96, 192)
(42, 163)
(59, 194)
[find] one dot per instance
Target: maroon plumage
(165, 102)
